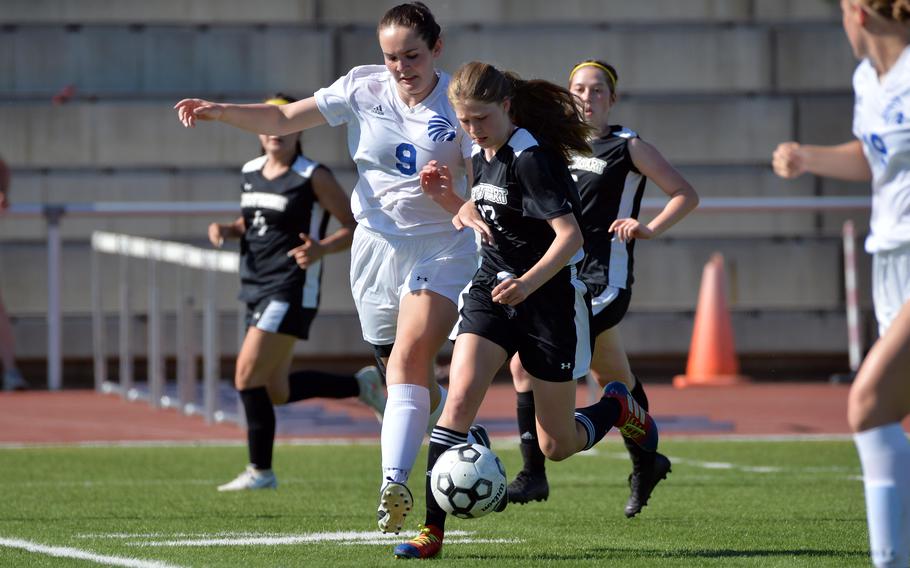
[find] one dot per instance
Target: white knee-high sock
(885, 456)
(437, 412)
(403, 425)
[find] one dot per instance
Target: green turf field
(727, 503)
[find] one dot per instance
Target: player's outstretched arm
(263, 118)
(843, 161)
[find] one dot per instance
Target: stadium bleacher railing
(211, 262)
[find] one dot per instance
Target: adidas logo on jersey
(377, 110)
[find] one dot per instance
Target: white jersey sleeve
(334, 101)
(881, 121)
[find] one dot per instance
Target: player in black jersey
(286, 201)
(610, 182)
(525, 297)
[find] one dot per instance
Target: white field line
(75, 553)
(500, 440)
(851, 471)
(272, 539)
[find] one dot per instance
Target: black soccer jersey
(275, 212)
(516, 192)
(611, 188)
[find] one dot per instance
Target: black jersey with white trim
(611, 188)
(275, 212)
(516, 192)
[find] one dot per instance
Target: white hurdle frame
(156, 252)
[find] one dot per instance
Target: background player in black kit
(610, 182)
(286, 200)
(525, 297)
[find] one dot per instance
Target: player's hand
(191, 110)
(468, 216)
(624, 230)
(789, 160)
(435, 180)
(510, 292)
(307, 253)
(216, 235)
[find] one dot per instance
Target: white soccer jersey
(390, 143)
(881, 119)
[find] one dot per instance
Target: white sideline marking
(745, 468)
(373, 442)
(67, 552)
(273, 539)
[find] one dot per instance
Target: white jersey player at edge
(879, 34)
(408, 263)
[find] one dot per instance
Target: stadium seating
(714, 84)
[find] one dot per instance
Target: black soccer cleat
(642, 482)
(528, 486)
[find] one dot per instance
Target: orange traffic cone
(712, 357)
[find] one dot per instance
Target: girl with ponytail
(879, 33)
(525, 297)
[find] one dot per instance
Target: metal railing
(184, 257)
(54, 214)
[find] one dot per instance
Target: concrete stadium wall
(714, 84)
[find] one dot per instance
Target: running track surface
(81, 416)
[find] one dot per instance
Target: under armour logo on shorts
(565, 365)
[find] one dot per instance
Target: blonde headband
(277, 101)
(599, 66)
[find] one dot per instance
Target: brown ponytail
(896, 10)
(546, 110)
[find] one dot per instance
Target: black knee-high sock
(639, 456)
(440, 440)
(598, 418)
(533, 458)
(260, 420)
(314, 384)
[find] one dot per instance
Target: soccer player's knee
(554, 451)
(458, 408)
(243, 374)
(863, 407)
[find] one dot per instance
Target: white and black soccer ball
(468, 481)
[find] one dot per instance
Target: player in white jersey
(879, 33)
(408, 263)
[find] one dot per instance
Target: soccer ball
(468, 481)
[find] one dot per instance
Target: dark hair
(897, 10)
(414, 15)
(546, 110)
(289, 99)
(608, 70)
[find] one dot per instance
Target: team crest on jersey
(439, 129)
(489, 192)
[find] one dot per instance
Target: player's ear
(437, 47)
